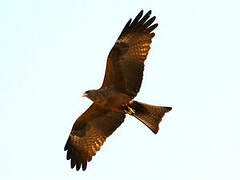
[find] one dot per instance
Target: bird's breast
(115, 101)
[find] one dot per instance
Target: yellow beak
(84, 94)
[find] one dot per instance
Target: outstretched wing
(125, 64)
(88, 134)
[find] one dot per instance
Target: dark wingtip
(150, 12)
(78, 166)
(135, 21)
(72, 163)
(151, 28)
(139, 15)
(126, 27)
(154, 17)
(139, 23)
(129, 22)
(84, 165)
(68, 155)
(66, 145)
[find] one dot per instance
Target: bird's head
(91, 94)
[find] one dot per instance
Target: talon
(130, 111)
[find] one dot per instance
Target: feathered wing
(125, 64)
(88, 134)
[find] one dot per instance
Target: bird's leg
(130, 102)
(130, 111)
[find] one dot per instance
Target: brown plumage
(122, 81)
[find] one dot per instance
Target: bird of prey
(111, 102)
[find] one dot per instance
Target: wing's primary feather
(125, 64)
(88, 134)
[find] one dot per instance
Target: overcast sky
(51, 51)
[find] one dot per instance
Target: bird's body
(109, 98)
(115, 98)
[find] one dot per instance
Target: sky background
(51, 51)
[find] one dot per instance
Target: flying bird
(115, 98)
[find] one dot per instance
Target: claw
(130, 111)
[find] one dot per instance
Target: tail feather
(150, 115)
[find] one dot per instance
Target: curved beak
(84, 94)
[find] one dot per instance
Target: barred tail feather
(150, 115)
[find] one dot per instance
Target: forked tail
(150, 115)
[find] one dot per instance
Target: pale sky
(51, 51)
